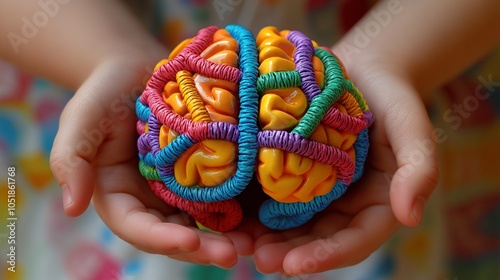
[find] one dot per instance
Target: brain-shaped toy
(226, 107)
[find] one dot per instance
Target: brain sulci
(228, 108)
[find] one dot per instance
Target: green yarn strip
(334, 88)
(149, 172)
(278, 80)
(327, 57)
(356, 94)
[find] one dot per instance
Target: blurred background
(460, 234)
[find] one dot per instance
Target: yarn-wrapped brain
(226, 107)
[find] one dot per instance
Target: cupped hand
(95, 157)
(399, 176)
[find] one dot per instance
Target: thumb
(412, 139)
(74, 150)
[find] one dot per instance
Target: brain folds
(204, 99)
(226, 106)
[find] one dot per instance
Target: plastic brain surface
(226, 107)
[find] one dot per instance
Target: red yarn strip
(343, 122)
(219, 216)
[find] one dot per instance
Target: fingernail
(185, 249)
(217, 265)
(66, 196)
(418, 209)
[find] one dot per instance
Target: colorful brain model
(226, 107)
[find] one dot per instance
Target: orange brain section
(280, 109)
(285, 176)
(204, 99)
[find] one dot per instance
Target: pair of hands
(94, 158)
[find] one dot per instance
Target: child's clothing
(458, 239)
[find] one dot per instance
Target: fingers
(76, 183)
(72, 155)
(410, 135)
(84, 127)
(355, 226)
(150, 234)
(347, 247)
(269, 258)
(403, 123)
(242, 242)
(403, 126)
(214, 249)
(271, 248)
(129, 208)
(144, 228)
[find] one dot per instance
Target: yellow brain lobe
(280, 109)
(285, 176)
(209, 162)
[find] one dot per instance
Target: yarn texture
(226, 107)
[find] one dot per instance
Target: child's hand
(399, 176)
(95, 156)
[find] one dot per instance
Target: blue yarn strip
(281, 216)
(142, 111)
(148, 158)
(361, 147)
(247, 137)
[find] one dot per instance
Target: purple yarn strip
(304, 51)
(165, 171)
(368, 117)
(154, 133)
(224, 131)
(294, 143)
(143, 144)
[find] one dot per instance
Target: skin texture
(109, 59)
